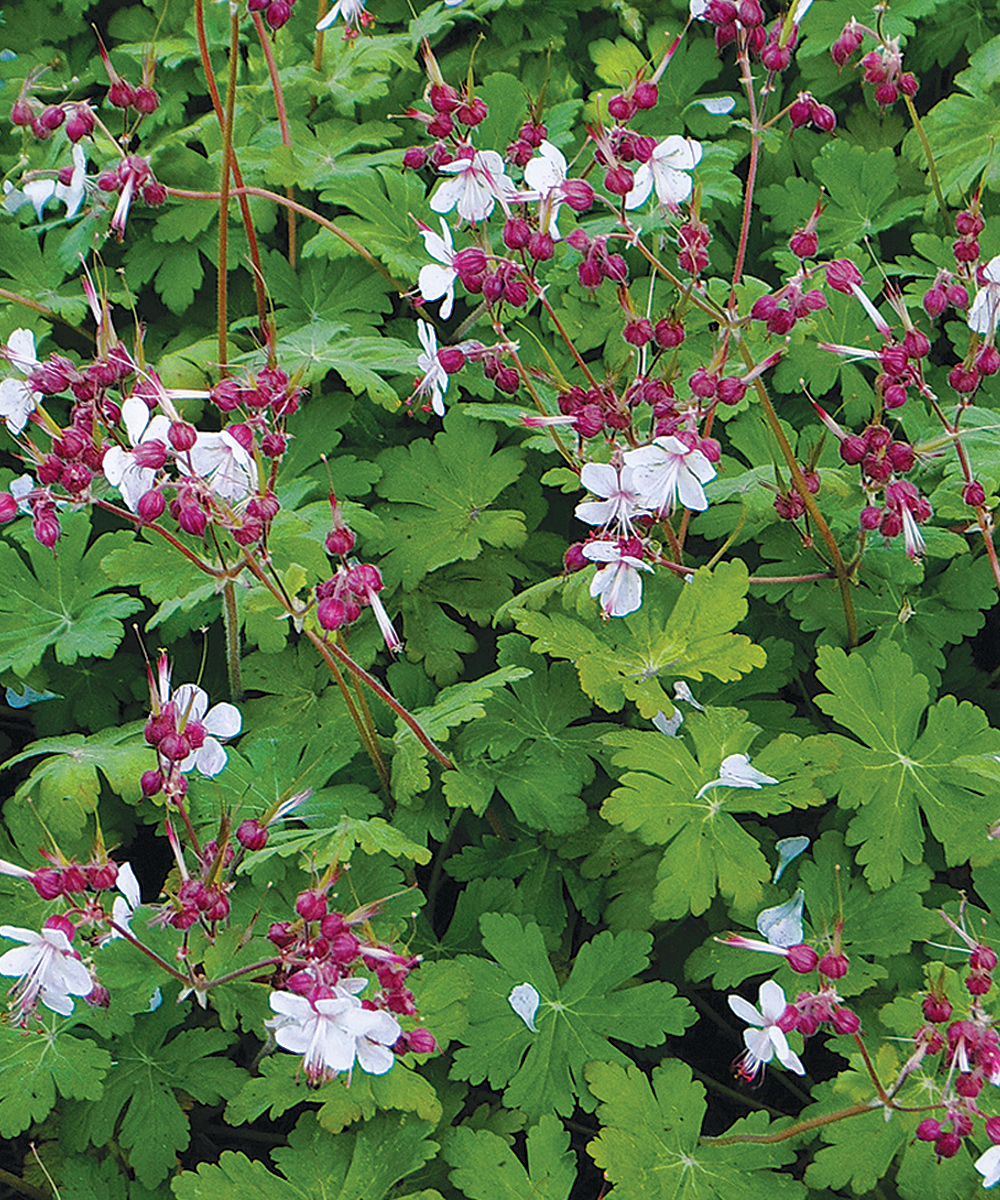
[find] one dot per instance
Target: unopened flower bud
(804, 243)
(802, 958)
(340, 541)
(638, 332)
(415, 158)
(974, 494)
(845, 1021)
(619, 181)
(311, 905)
(833, 966)
(646, 94)
(251, 835)
(146, 100)
(182, 436)
(842, 275)
(928, 1130)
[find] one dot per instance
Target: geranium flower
(668, 471)
(17, 400)
(782, 924)
(221, 721)
(764, 1039)
(479, 182)
(50, 970)
(438, 282)
(984, 312)
(38, 192)
(667, 172)
(127, 470)
(434, 382)
(988, 1165)
(334, 1032)
(545, 175)
(617, 584)
(735, 771)
(355, 15)
(621, 499)
(225, 466)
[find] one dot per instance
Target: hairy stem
(928, 152)
(855, 1110)
(231, 621)
(222, 294)
(286, 137)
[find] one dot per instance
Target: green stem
(23, 1188)
(160, 962)
(231, 621)
(928, 152)
(767, 1139)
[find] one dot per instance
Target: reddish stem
(286, 137)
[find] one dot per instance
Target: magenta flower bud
(982, 958)
(969, 224)
(415, 158)
(441, 126)
(749, 14)
(589, 421)
(421, 1041)
(907, 84)
(470, 261)
(668, 333)
(974, 494)
(764, 308)
(963, 380)
(845, 1021)
(573, 559)
(48, 883)
(52, 116)
(622, 108)
(833, 966)
(590, 273)
(992, 1128)
(988, 360)
(80, 124)
(894, 396)
(842, 275)
(311, 905)
(853, 449)
(61, 922)
(638, 332)
(444, 98)
(473, 112)
(916, 344)
(872, 517)
(182, 435)
(619, 181)
(333, 614)
(948, 1145)
(515, 291)
(928, 1130)
(251, 835)
(154, 194)
(519, 153)
(966, 250)
(802, 958)
(936, 1009)
(731, 390)
(74, 880)
(703, 384)
(344, 948)
(540, 246)
(151, 783)
(121, 94)
(789, 1019)
(250, 531)
(958, 297)
(720, 12)
(508, 381)
(615, 268)
(579, 240)
(533, 134)
(441, 155)
(226, 394)
(775, 57)
(280, 934)
(516, 232)
(150, 454)
(800, 110)
(146, 100)
(45, 527)
(646, 94)
(892, 524)
(451, 358)
(278, 13)
(340, 541)
(150, 507)
(8, 508)
(824, 118)
(969, 1085)
(902, 456)
(849, 41)
(174, 747)
(492, 288)
(804, 243)
(935, 301)
(22, 112)
(193, 520)
(264, 508)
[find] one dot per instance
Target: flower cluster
(882, 68)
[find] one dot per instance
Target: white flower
(984, 312)
(545, 176)
(353, 12)
(225, 466)
(913, 539)
(697, 9)
(788, 849)
(435, 378)
(39, 192)
(669, 725)
(524, 1001)
(332, 1033)
(221, 721)
(124, 906)
(735, 771)
(479, 182)
(621, 500)
(764, 1039)
(988, 1165)
(668, 471)
(49, 968)
(782, 924)
(17, 400)
(120, 467)
(666, 171)
(436, 281)
(617, 583)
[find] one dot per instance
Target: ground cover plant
(498, 600)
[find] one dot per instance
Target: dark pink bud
(102, 876)
(802, 958)
(638, 332)
(622, 108)
(182, 435)
(804, 243)
(48, 883)
(507, 380)
(935, 301)
(519, 153)
(907, 84)
(902, 456)
(515, 291)
(52, 116)
(419, 1041)
(800, 110)
(154, 194)
(150, 507)
(988, 360)
(892, 524)
(731, 390)
(8, 508)
(958, 297)
(280, 934)
(516, 232)
(451, 358)
(646, 94)
(969, 1085)
(894, 396)
(824, 118)
(614, 268)
(192, 519)
(948, 1145)
(992, 1128)
(415, 158)
(966, 250)
(340, 541)
(749, 14)
(22, 112)
(277, 13)
(845, 1021)
(974, 494)
(441, 155)
(251, 835)
(853, 449)
(473, 112)
(916, 344)
(842, 275)
(928, 1130)
(533, 134)
(344, 947)
(121, 94)
(704, 384)
(579, 196)
(775, 57)
(151, 783)
(619, 181)
(969, 224)
(833, 966)
(589, 421)
(444, 98)
(470, 261)
(540, 246)
(311, 905)
(982, 958)
(332, 614)
(146, 100)
(936, 1009)
(590, 273)
(441, 126)
(174, 747)
(668, 333)
(574, 560)
(61, 922)
(46, 528)
(963, 380)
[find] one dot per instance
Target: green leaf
(904, 763)
(863, 193)
(59, 600)
(682, 630)
(383, 200)
(487, 1169)
(441, 495)
(325, 346)
(706, 848)
(541, 1071)
(33, 1066)
(139, 1108)
(616, 62)
(649, 1144)
(963, 132)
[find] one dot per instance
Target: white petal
(771, 999)
(642, 185)
(191, 700)
(209, 759)
(745, 1010)
(782, 924)
(758, 1042)
(128, 885)
(736, 771)
(223, 720)
(786, 1055)
(717, 105)
(988, 1165)
(524, 1000)
(21, 350)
